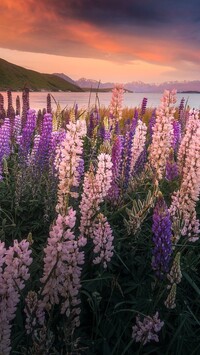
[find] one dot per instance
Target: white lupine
(67, 161)
(138, 143)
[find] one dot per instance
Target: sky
(109, 40)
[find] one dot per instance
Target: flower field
(99, 228)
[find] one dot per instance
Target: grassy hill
(16, 78)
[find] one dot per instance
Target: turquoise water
(83, 99)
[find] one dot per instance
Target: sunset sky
(107, 40)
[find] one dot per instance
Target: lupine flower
(175, 274)
(18, 106)
(126, 158)
(68, 156)
(95, 189)
(94, 119)
(140, 162)
(162, 134)
(146, 330)
(171, 167)
(25, 106)
(17, 126)
(151, 124)
(14, 264)
(42, 154)
(176, 135)
(25, 139)
(80, 169)
(144, 106)
(10, 104)
(138, 143)
(117, 151)
(161, 238)
(182, 115)
(115, 107)
(62, 268)
(102, 237)
(5, 135)
(32, 156)
(49, 109)
(2, 110)
(34, 312)
(106, 131)
(171, 298)
(184, 200)
(56, 139)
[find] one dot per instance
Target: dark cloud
(159, 31)
(131, 12)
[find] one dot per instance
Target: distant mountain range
(16, 78)
(137, 86)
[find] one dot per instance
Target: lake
(68, 99)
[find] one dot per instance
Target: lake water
(68, 99)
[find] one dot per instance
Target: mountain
(94, 84)
(65, 77)
(16, 78)
(139, 86)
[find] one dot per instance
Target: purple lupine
(49, 109)
(176, 134)
(107, 135)
(4, 143)
(151, 123)
(34, 151)
(141, 161)
(117, 150)
(10, 111)
(39, 122)
(171, 167)
(182, 115)
(56, 138)
(10, 103)
(94, 121)
(80, 169)
(25, 106)
(162, 234)
(18, 105)
(17, 126)
(2, 110)
(127, 155)
(76, 111)
(181, 107)
(25, 140)
(42, 154)
(91, 125)
(144, 106)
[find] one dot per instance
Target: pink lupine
(34, 312)
(14, 264)
(69, 154)
(138, 143)
(184, 200)
(102, 237)
(62, 268)
(116, 102)
(162, 134)
(146, 330)
(95, 189)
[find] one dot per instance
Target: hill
(16, 78)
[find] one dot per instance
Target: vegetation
(17, 78)
(99, 230)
